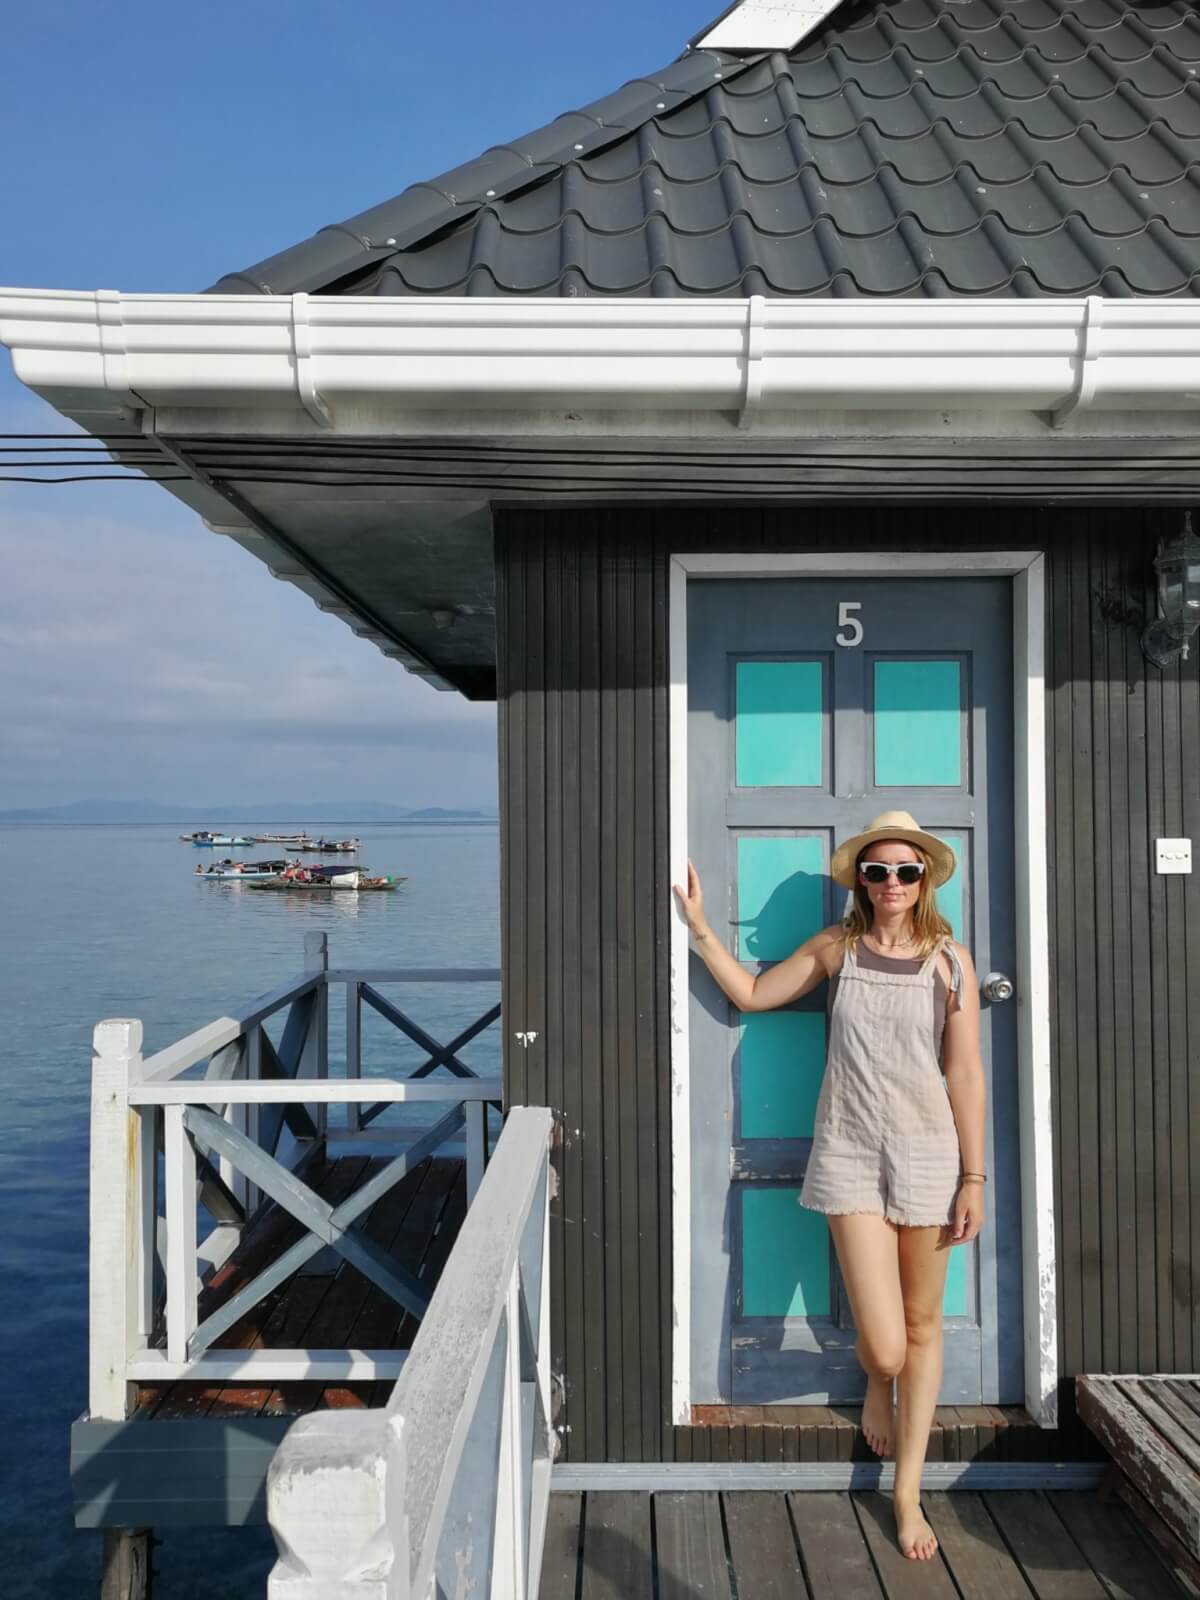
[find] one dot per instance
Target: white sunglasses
(879, 871)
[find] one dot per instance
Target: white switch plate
(1173, 855)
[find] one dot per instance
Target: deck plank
(902, 1579)
(689, 1546)
(560, 1552)
(332, 1328)
(1167, 1415)
(835, 1556)
(999, 1545)
(980, 1562)
(1160, 1535)
(1126, 1564)
(762, 1547)
(617, 1562)
(1185, 1389)
(1048, 1555)
(430, 1245)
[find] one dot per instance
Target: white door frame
(1026, 568)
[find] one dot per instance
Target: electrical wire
(96, 477)
(58, 450)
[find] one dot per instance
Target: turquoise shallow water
(110, 921)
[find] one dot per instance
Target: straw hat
(891, 825)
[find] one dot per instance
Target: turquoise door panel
(782, 1061)
(780, 894)
(918, 724)
(954, 1297)
(950, 895)
(785, 1256)
(780, 739)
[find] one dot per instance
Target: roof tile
(963, 147)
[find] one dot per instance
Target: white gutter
(314, 356)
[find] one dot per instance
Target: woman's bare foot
(879, 1416)
(915, 1537)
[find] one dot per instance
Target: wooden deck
(1150, 1425)
(328, 1303)
(762, 1545)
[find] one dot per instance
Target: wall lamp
(1177, 568)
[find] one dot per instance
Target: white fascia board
(97, 354)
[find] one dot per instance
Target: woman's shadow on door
(797, 907)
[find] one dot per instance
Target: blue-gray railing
(231, 1119)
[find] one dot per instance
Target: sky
(154, 147)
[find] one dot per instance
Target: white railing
(237, 1121)
(445, 1491)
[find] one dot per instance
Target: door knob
(997, 986)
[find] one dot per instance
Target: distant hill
(258, 811)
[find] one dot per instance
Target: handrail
(330, 1091)
(415, 974)
(446, 1490)
(199, 1045)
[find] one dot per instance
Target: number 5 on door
(846, 620)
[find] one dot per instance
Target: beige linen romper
(884, 1135)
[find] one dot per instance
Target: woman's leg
(924, 1256)
(868, 1255)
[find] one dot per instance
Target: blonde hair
(929, 925)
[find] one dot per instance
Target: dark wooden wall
(582, 658)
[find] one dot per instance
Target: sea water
(112, 922)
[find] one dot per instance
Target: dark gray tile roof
(927, 147)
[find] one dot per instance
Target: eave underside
(395, 535)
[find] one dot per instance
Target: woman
(898, 1135)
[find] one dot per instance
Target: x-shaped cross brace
(327, 1224)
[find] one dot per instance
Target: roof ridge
(341, 249)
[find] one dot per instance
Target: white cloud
(142, 656)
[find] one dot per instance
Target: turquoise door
(812, 706)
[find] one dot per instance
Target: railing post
(335, 1503)
(510, 1545)
(476, 1135)
(179, 1181)
(354, 1047)
(118, 1268)
(316, 1048)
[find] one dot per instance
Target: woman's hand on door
(691, 902)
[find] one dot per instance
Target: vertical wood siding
(582, 657)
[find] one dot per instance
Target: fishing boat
(304, 842)
(319, 880)
(241, 869)
(204, 840)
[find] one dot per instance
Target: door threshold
(850, 1416)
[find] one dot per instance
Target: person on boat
(898, 1133)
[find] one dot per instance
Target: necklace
(899, 944)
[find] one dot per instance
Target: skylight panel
(767, 24)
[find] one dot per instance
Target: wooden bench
(1150, 1427)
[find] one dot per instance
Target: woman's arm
(786, 980)
(964, 1067)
